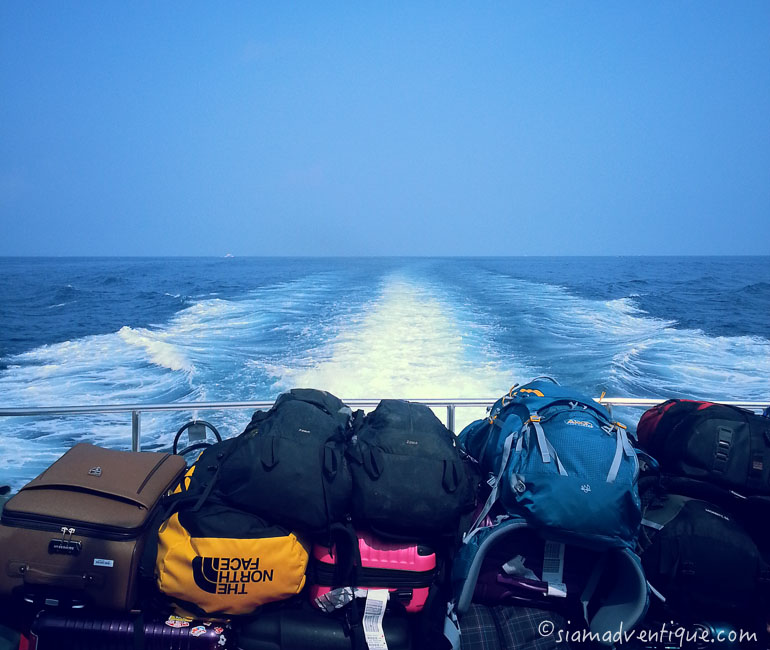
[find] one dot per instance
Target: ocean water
(76, 331)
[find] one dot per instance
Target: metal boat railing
(136, 410)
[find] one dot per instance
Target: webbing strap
(550, 452)
(651, 524)
(542, 442)
(656, 592)
(623, 446)
(559, 464)
(627, 446)
(615, 467)
(520, 441)
(506, 429)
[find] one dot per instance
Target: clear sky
(384, 128)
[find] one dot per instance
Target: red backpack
(663, 416)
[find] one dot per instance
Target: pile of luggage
(663, 533)
(705, 537)
(544, 524)
(316, 526)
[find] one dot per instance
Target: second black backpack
(289, 463)
(698, 554)
(409, 479)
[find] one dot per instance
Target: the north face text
(228, 575)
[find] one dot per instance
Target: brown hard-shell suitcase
(78, 530)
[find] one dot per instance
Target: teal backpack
(555, 458)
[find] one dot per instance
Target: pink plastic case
(405, 569)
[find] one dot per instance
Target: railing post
(136, 430)
(450, 417)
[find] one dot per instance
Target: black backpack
(289, 463)
(698, 553)
(723, 444)
(409, 479)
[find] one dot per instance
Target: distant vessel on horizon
(229, 255)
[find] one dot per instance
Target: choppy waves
(614, 345)
(416, 332)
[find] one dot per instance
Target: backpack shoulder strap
(509, 433)
(492, 535)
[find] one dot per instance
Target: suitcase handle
(73, 581)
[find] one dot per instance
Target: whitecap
(404, 343)
(159, 351)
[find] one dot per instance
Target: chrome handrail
(450, 404)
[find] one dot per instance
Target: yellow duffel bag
(222, 561)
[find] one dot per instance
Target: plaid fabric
(505, 627)
(479, 629)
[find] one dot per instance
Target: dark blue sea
(110, 330)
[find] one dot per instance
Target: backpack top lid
(544, 391)
(397, 418)
(321, 399)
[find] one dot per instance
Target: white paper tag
(100, 562)
(553, 569)
(374, 610)
(557, 590)
(452, 628)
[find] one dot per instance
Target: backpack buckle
(722, 452)
(687, 569)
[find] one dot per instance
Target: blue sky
(414, 128)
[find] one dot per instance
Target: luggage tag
(338, 598)
(553, 569)
(374, 610)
